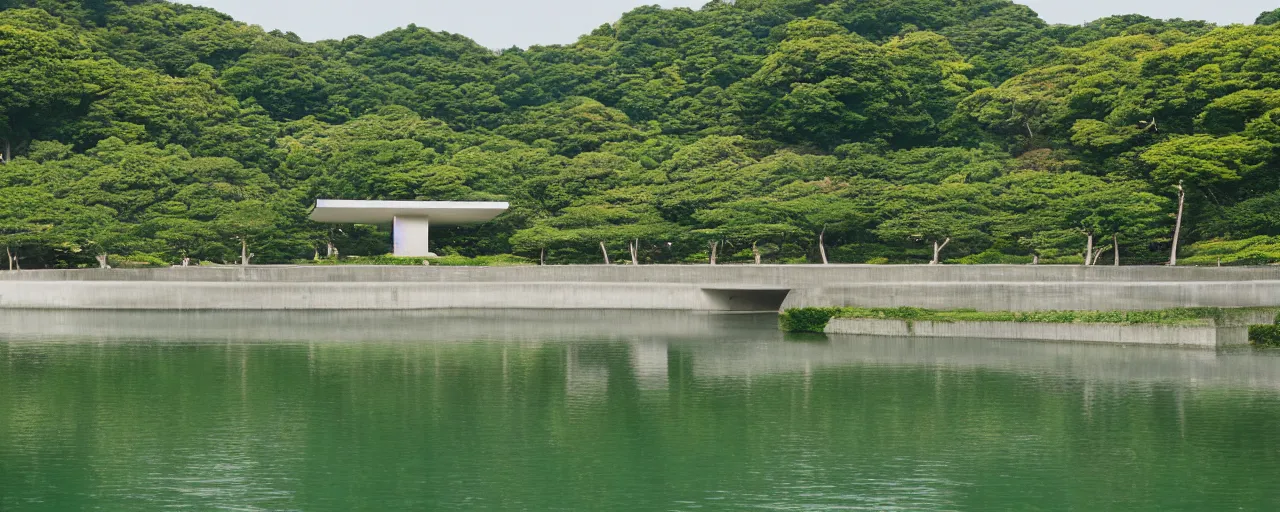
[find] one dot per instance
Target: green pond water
(617, 411)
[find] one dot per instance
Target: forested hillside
(785, 130)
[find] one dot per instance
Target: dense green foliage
(500, 260)
(771, 130)
(1265, 335)
(806, 319)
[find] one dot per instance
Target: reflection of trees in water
(419, 424)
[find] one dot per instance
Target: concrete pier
(649, 287)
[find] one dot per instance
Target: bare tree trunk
(8, 257)
(822, 247)
(186, 261)
(1088, 251)
(1115, 243)
(635, 252)
(714, 245)
(755, 251)
(244, 252)
(8, 151)
(102, 261)
(542, 256)
(1035, 259)
(331, 251)
(606, 253)
(1098, 254)
(1177, 228)
(937, 251)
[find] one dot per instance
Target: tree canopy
(788, 130)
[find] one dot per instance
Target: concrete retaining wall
(788, 276)
(1043, 296)
(672, 287)
(1206, 336)
(162, 295)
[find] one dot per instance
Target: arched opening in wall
(747, 299)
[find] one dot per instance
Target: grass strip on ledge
(815, 319)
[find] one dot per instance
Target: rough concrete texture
(672, 287)
(787, 276)
(1205, 336)
(161, 295)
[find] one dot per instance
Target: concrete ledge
(160, 295)
(1205, 336)
(773, 276)
(670, 287)
(1042, 295)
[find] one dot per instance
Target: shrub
(1265, 335)
(137, 260)
(500, 260)
(992, 257)
(806, 319)
(1259, 250)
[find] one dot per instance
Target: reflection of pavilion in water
(588, 378)
(645, 348)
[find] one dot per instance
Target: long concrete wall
(787, 276)
(1203, 336)
(658, 287)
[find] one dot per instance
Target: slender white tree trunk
(1115, 243)
(1035, 259)
(755, 251)
(822, 247)
(937, 251)
(714, 245)
(1098, 254)
(102, 261)
(606, 253)
(331, 251)
(1088, 251)
(8, 151)
(244, 252)
(635, 252)
(8, 257)
(186, 261)
(1177, 226)
(542, 256)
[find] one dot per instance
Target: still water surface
(618, 411)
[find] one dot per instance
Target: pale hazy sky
(506, 23)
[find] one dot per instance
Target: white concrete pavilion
(410, 221)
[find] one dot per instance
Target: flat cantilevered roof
(445, 213)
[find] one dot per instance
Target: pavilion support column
(411, 237)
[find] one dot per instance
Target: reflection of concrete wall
(683, 287)
(716, 345)
(1205, 336)
(649, 362)
(1118, 364)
